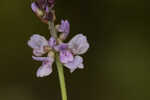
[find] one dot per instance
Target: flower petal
(45, 60)
(79, 44)
(41, 58)
(37, 42)
(36, 9)
(66, 56)
(38, 52)
(46, 67)
(44, 70)
(76, 63)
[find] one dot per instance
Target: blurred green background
(117, 65)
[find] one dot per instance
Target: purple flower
(46, 68)
(69, 53)
(78, 45)
(38, 43)
(41, 46)
(64, 28)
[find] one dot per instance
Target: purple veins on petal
(76, 63)
(66, 56)
(78, 44)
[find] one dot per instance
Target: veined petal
(37, 42)
(76, 63)
(66, 56)
(79, 44)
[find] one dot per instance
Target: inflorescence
(69, 53)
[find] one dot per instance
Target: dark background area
(117, 65)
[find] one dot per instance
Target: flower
(77, 46)
(69, 53)
(64, 28)
(41, 46)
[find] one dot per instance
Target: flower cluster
(69, 53)
(43, 9)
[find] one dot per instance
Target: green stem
(52, 29)
(61, 78)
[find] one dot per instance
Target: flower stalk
(59, 65)
(61, 78)
(52, 29)
(65, 54)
